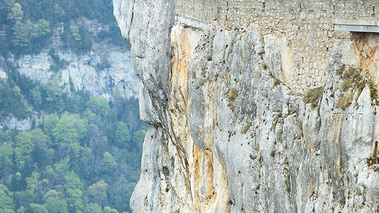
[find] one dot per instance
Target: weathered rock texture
(228, 133)
(98, 72)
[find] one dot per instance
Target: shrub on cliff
(313, 96)
(354, 81)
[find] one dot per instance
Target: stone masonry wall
(302, 30)
(240, 12)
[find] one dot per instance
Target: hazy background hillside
(27, 26)
(70, 134)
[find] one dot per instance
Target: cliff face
(98, 72)
(228, 133)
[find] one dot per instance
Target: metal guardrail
(356, 28)
(191, 22)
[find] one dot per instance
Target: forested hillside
(82, 153)
(27, 26)
(83, 158)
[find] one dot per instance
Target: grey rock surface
(3, 75)
(84, 72)
(149, 38)
(227, 134)
(104, 71)
(22, 125)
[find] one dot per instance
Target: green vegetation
(272, 154)
(276, 82)
(30, 24)
(276, 120)
(203, 73)
(246, 128)
(287, 182)
(354, 81)
(58, 63)
(84, 157)
(313, 96)
(232, 95)
(11, 101)
(344, 102)
(264, 66)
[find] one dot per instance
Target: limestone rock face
(149, 37)
(227, 134)
(3, 75)
(22, 125)
(98, 73)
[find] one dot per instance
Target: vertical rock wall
(226, 134)
(83, 72)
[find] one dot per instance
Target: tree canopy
(86, 160)
(30, 24)
(82, 152)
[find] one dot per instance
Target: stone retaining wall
(302, 30)
(241, 12)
